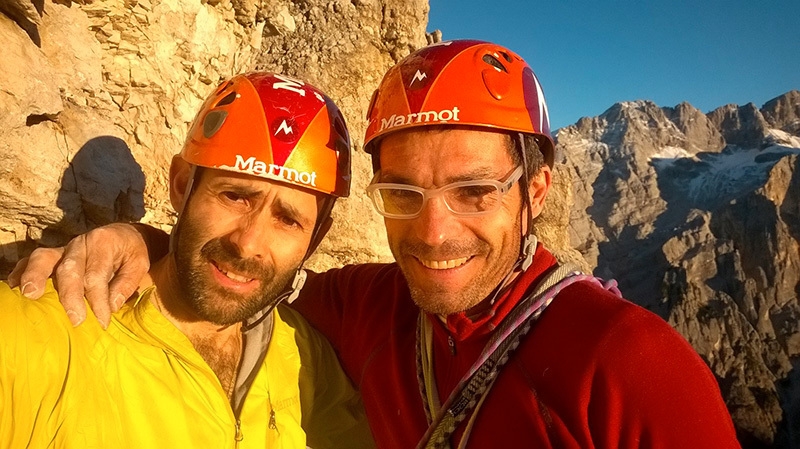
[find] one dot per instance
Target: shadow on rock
(103, 184)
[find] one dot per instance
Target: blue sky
(590, 55)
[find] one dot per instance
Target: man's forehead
(254, 182)
(450, 148)
(467, 137)
(220, 175)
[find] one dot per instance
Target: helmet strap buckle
(529, 245)
(529, 241)
(297, 285)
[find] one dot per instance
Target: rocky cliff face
(696, 215)
(96, 97)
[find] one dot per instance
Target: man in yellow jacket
(202, 357)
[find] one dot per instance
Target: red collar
(461, 327)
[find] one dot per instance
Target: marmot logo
(445, 115)
(261, 168)
(419, 76)
(285, 128)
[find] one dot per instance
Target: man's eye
(400, 194)
(474, 192)
(233, 196)
(289, 221)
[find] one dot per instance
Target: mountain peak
(701, 134)
(740, 125)
(783, 112)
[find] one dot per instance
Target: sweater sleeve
(652, 390)
(346, 305)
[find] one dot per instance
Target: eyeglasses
(467, 198)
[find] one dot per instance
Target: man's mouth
(443, 264)
(231, 275)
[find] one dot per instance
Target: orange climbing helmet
(274, 127)
(461, 82)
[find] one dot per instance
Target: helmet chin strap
(300, 276)
(323, 225)
(189, 185)
(528, 242)
(290, 294)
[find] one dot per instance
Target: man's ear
(180, 173)
(540, 185)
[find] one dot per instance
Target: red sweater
(595, 371)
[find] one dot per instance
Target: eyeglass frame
(502, 186)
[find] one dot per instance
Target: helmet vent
(338, 125)
(506, 57)
(222, 87)
(213, 122)
(494, 62)
(228, 99)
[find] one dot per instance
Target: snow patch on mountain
(669, 154)
(782, 137)
(709, 180)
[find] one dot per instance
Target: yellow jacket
(141, 384)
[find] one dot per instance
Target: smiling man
(460, 343)
(455, 250)
(202, 357)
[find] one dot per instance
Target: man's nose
(435, 223)
(251, 237)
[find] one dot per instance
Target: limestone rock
(29, 91)
(26, 13)
(700, 132)
(740, 125)
(783, 112)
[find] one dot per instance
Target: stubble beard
(203, 296)
(437, 299)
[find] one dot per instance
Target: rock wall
(96, 97)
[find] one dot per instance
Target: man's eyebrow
(393, 178)
(234, 185)
(476, 174)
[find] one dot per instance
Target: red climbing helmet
(274, 127)
(461, 82)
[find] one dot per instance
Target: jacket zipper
(273, 424)
(239, 437)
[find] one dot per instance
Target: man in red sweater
(449, 345)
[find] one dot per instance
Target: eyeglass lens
(473, 198)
